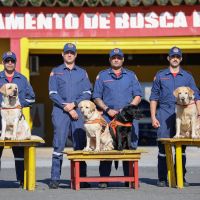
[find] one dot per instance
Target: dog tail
(116, 164)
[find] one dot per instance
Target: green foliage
(134, 2)
(120, 2)
(92, 3)
(106, 2)
(78, 2)
(7, 2)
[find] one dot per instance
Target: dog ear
(191, 93)
(176, 91)
(3, 89)
(93, 106)
(79, 105)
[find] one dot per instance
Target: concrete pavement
(148, 190)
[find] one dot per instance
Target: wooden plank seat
(178, 143)
(132, 156)
(29, 158)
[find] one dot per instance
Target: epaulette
(58, 67)
(102, 71)
(161, 71)
(81, 67)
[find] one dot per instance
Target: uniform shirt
(67, 86)
(116, 92)
(25, 91)
(165, 84)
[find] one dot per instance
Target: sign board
(100, 22)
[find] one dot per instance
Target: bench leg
(170, 166)
(72, 174)
(29, 168)
(77, 175)
(136, 178)
(179, 166)
(25, 168)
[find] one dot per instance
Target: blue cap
(175, 51)
(9, 54)
(116, 52)
(69, 47)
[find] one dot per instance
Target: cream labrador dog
(14, 126)
(97, 130)
(187, 123)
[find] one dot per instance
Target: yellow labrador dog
(187, 124)
(14, 126)
(97, 130)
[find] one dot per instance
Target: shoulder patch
(154, 78)
(136, 78)
(97, 77)
(52, 73)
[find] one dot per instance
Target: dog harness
(114, 124)
(17, 107)
(100, 121)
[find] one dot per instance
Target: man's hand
(69, 106)
(73, 114)
(112, 112)
(155, 123)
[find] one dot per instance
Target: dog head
(129, 113)
(184, 95)
(87, 108)
(10, 93)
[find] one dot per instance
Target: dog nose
(15, 92)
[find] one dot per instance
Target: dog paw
(87, 149)
(19, 138)
(97, 150)
(176, 136)
(195, 136)
(132, 148)
(2, 138)
(120, 148)
(107, 149)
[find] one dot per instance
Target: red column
(15, 47)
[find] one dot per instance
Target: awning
(93, 3)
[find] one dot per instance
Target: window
(34, 65)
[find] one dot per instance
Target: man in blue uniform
(68, 85)
(115, 88)
(165, 82)
(26, 98)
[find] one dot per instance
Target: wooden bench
(178, 143)
(132, 156)
(29, 158)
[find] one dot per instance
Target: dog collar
(17, 107)
(187, 104)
